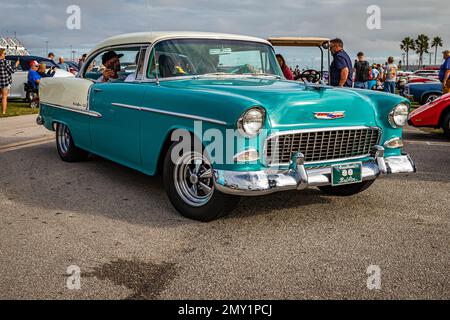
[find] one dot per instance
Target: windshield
(197, 57)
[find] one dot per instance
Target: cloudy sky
(38, 21)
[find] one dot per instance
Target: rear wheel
(189, 184)
(347, 190)
(446, 125)
(66, 147)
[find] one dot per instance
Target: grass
(18, 108)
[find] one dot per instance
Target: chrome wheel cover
(193, 179)
(63, 138)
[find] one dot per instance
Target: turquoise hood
(289, 104)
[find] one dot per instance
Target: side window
(140, 65)
(122, 62)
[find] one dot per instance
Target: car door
(116, 134)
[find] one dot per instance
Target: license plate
(348, 173)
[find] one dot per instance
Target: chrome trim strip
(169, 113)
(183, 115)
(85, 112)
(127, 106)
(278, 133)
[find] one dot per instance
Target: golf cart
(310, 75)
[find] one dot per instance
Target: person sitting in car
(43, 71)
(111, 62)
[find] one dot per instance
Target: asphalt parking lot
(119, 228)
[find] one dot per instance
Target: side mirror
(326, 45)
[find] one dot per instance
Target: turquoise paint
(135, 137)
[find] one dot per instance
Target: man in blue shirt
(444, 73)
(341, 67)
(33, 76)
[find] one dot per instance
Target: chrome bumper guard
(256, 183)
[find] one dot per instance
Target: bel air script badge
(329, 115)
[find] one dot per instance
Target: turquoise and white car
(284, 135)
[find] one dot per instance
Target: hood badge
(329, 115)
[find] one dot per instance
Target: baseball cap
(109, 55)
(34, 63)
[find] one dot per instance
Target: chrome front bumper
(256, 183)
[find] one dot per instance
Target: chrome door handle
(96, 90)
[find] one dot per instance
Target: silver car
(20, 77)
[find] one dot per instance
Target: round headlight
(398, 117)
(252, 121)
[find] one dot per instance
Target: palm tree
(406, 45)
(422, 44)
(437, 42)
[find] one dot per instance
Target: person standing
(5, 78)
(82, 61)
(373, 77)
(51, 56)
(341, 67)
(362, 72)
(285, 68)
(390, 76)
(34, 79)
(444, 72)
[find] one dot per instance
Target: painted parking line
(25, 144)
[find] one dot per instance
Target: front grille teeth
(318, 146)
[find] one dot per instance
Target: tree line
(420, 45)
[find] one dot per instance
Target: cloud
(329, 18)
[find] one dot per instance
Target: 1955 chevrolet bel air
(137, 92)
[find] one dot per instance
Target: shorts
(7, 87)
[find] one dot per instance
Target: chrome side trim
(183, 115)
(169, 113)
(127, 106)
(85, 112)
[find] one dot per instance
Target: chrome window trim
(153, 45)
(95, 53)
(281, 133)
(170, 113)
(85, 112)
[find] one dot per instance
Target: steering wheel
(310, 75)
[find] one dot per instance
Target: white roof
(150, 37)
(298, 41)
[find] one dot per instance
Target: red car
(435, 114)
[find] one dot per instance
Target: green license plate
(348, 173)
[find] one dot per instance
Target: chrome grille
(321, 145)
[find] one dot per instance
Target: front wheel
(189, 184)
(430, 98)
(66, 147)
(347, 190)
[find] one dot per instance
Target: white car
(20, 77)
